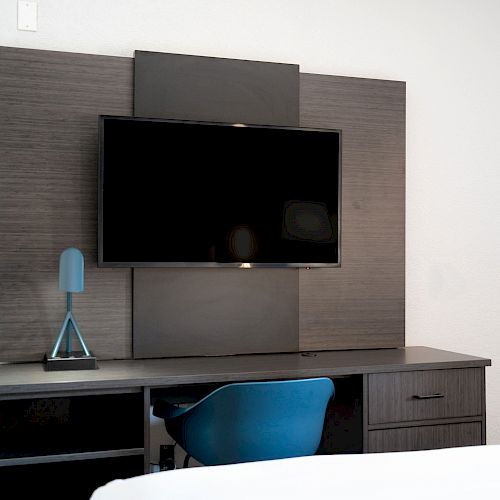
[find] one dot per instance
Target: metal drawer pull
(428, 396)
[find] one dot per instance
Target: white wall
(448, 52)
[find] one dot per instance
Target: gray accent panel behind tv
(185, 87)
(186, 312)
(189, 312)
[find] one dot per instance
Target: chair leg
(186, 461)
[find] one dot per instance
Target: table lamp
(71, 267)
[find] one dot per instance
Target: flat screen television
(199, 194)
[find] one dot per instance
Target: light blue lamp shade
(71, 268)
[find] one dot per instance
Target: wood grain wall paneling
(360, 304)
(49, 103)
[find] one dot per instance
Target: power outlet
(27, 15)
(167, 457)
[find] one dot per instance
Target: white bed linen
(455, 473)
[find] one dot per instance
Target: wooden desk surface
(30, 378)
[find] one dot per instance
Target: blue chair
(247, 422)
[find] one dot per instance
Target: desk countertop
(30, 378)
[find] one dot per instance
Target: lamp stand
(70, 360)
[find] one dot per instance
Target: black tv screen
(179, 193)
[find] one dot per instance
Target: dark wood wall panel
(360, 304)
(185, 87)
(49, 103)
(191, 311)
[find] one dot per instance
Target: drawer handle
(428, 396)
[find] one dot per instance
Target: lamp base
(76, 360)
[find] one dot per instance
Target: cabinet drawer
(422, 395)
(427, 437)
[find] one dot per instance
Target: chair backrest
(246, 422)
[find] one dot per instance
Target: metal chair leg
(186, 461)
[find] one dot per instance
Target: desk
(413, 397)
